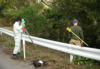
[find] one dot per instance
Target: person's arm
(18, 27)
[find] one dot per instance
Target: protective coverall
(17, 29)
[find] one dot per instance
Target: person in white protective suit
(17, 29)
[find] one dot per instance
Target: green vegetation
(63, 13)
(60, 66)
(86, 61)
(34, 22)
(51, 22)
(11, 44)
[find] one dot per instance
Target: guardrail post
(71, 58)
(71, 55)
(0, 33)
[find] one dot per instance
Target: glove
(23, 23)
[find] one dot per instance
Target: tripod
(25, 31)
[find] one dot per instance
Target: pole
(24, 47)
(30, 38)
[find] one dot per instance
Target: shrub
(35, 23)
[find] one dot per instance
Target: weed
(10, 43)
(3, 40)
(21, 56)
(50, 59)
(27, 53)
(60, 66)
(32, 50)
(12, 47)
(86, 61)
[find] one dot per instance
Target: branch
(45, 3)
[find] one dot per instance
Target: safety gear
(17, 37)
(15, 57)
(75, 20)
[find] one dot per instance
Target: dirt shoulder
(55, 59)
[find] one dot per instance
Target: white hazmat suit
(17, 29)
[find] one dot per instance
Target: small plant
(60, 66)
(12, 47)
(21, 56)
(85, 61)
(49, 59)
(3, 40)
(10, 43)
(26, 52)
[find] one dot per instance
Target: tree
(86, 11)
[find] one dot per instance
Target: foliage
(10, 43)
(58, 18)
(11, 15)
(34, 23)
(14, 8)
(85, 61)
(3, 5)
(64, 11)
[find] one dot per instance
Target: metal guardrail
(64, 47)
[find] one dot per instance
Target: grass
(3, 40)
(10, 43)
